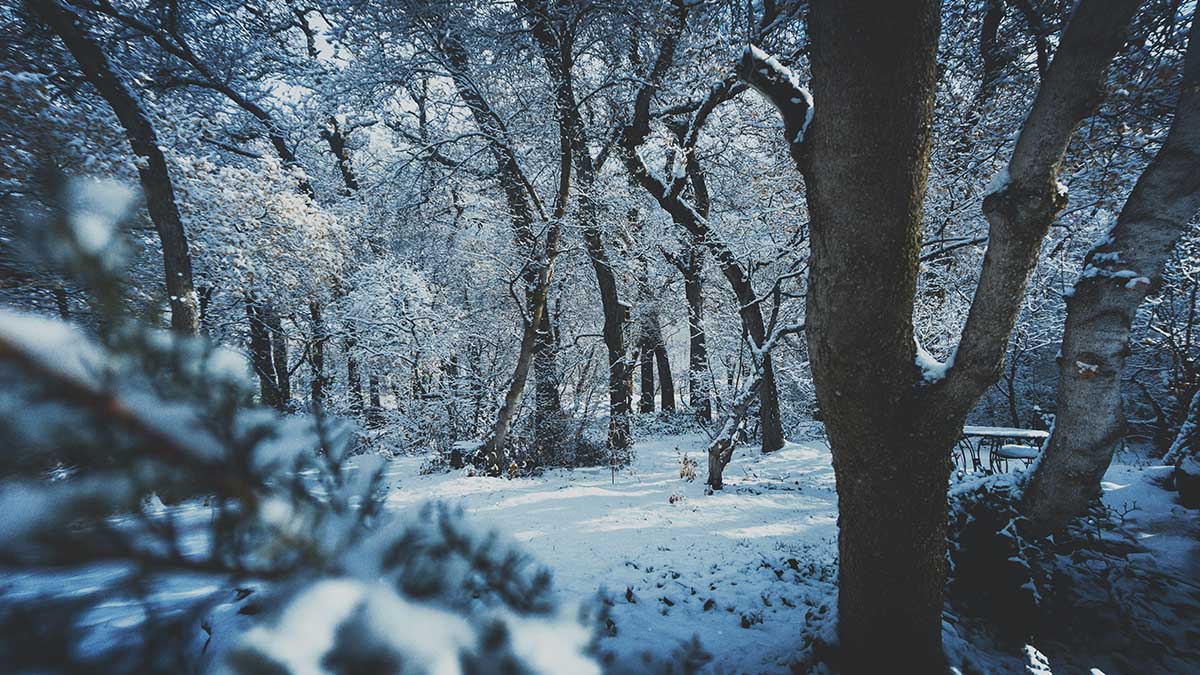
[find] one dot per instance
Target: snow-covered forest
(582, 336)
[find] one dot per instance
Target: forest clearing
(599, 336)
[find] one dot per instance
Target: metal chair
(965, 450)
(1002, 453)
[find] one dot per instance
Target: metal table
(991, 438)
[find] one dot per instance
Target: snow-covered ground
(750, 569)
(742, 568)
(1169, 532)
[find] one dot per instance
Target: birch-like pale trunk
(1117, 276)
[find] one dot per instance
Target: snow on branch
(782, 88)
(932, 370)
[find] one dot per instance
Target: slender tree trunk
(646, 362)
(174, 43)
(537, 344)
(666, 383)
(317, 354)
(557, 52)
(336, 140)
(653, 354)
(155, 179)
(454, 390)
(61, 301)
(353, 377)
(279, 354)
(739, 281)
(1117, 276)
(206, 294)
(992, 55)
(720, 449)
(692, 268)
(1010, 387)
(1187, 439)
(1184, 454)
(495, 459)
(375, 411)
(260, 353)
(693, 219)
(698, 390)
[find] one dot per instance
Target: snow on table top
(1006, 432)
(1017, 452)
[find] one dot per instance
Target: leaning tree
(1118, 274)
(104, 75)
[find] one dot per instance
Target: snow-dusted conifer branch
(269, 507)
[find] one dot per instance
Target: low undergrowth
(1089, 597)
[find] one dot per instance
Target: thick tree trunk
(890, 424)
(545, 367)
(102, 74)
(550, 422)
(1117, 275)
(768, 408)
(874, 74)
